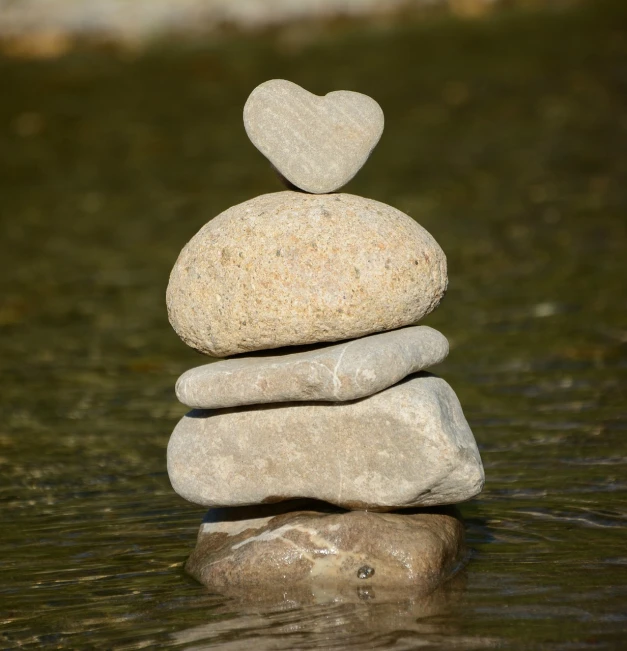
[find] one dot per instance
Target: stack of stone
(354, 425)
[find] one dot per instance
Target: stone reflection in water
(350, 619)
(300, 548)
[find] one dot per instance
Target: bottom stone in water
(268, 549)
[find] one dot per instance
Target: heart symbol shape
(317, 143)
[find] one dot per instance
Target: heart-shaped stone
(317, 143)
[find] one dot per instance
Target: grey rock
(289, 268)
(374, 554)
(316, 143)
(407, 446)
(340, 372)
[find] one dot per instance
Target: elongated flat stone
(407, 446)
(289, 268)
(340, 372)
(316, 143)
(244, 550)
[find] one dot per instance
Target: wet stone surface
(365, 572)
(273, 549)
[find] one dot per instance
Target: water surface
(505, 137)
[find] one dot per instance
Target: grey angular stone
(289, 268)
(340, 372)
(250, 551)
(316, 143)
(407, 446)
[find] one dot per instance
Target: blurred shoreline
(50, 28)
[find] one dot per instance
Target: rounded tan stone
(290, 268)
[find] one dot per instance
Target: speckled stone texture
(316, 143)
(239, 552)
(339, 372)
(407, 446)
(290, 268)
